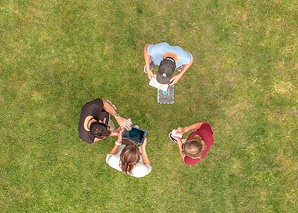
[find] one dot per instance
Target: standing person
(168, 58)
(129, 159)
(95, 122)
(198, 143)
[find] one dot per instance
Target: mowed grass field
(57, 55)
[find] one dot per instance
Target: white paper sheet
(154, 83)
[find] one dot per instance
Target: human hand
(179, 141)
(121, 130)
(143, 146)
(115, 132)
(176, 137)
(180, 130)
(125, 123)
(150, 75)
(175, 79)
(97, 139)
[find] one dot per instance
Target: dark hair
(129, 156)
(99, 130)
(194, 147)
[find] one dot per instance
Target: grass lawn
(57, 55)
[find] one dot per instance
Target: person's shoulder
(112, 159)
(207, 133)
(191, 161)
(96, 101)
(160, 45)
(86, 136)
(164, 44)
(143, 167)
(182, 51)
(141, 170)
(207, 127)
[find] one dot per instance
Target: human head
(129, 157)
(194, 148)
(165, 71)
(99, 130)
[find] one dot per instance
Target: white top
(140, 169)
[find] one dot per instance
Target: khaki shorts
(111, 123)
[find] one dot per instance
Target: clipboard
(166, 97)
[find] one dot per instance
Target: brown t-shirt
(96, 109)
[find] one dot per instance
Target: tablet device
(136, 135)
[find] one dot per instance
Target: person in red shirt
(198, 143)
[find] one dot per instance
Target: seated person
(95, 122)
(198, 143)
(130, 159)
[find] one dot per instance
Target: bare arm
(193, 127)
(147, 62)
(97, 139)
(185, 67)
(116, 147)
(114, 133)
(180, 147)
(108, 107)
(181, 130)
(144, 153)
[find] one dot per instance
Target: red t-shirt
(206, 133)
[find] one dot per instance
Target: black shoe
(179, 69)
(171, 138)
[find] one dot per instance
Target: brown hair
(99, 130)
(129, 157)
(194, 147)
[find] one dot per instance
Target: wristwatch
(117, 116)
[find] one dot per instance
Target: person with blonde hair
(196, 147)
(130, 159)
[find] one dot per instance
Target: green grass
(57, 55)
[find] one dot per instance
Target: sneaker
(179, 69)
(152, 65)
(171, 138)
